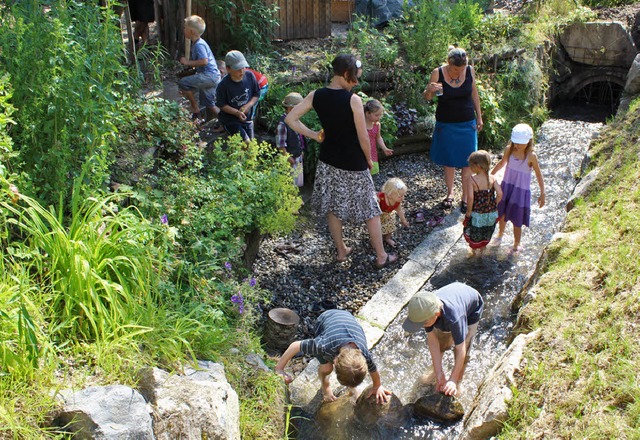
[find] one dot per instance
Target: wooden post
(132, 43)
(187, 42)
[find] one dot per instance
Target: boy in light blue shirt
(207, 75)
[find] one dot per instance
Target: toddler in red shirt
(390, 199)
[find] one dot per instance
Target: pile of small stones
(301, 271)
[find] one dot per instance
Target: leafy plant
(378, 48)
(212, 204)
(406, 119)
(252, 22)
(69, 102)
(434, 26)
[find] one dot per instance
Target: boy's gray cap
(235, 60)
(292, 99)
(422, 307)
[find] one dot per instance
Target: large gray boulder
(632, 86)
(599, 44)
(114, 412)
(489, 408)
(199, 404)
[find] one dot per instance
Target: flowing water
(404, 361)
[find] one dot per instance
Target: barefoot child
(373, 112)
(390, 199)
(339, 344)
(484, 194)
(515, 205)
(450, 316)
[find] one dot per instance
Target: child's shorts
(204, 83)
(244, 128)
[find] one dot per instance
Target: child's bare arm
(381, 144)
(245, 108)
(293, 349)
(403, 219)
(498, 189)
(502, 162)
(380, 392)
(469, 198)
(234, 112)
(536, 169)
(194, 63)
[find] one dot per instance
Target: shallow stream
(404, 361)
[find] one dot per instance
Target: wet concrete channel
(403, 360)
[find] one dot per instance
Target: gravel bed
(300, 269)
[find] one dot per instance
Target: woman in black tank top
(343, 188)
(458, 120)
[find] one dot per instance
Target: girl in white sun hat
(515, 205)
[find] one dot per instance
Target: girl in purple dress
(515, 205)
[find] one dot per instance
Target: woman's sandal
(391, 258)
(447, 203)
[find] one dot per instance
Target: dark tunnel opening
(595, 102)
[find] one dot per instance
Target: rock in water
(369, 413)
(334, 417)
(438, 407)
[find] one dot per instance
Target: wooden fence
(296, 18)
(303, 19)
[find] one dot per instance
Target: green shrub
(212, 205)
(68, 101)
(251, 21)
(155, 131)
(378, 49)
(434, 26)
(522, 87)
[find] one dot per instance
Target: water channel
(404, 361)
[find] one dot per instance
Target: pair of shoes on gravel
(391, 258)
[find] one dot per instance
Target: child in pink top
(373, 112)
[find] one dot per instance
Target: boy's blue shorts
(244, 128)
(204, 83)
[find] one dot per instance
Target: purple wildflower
(227, 265)
(164, 219)
(239, 300)
(252, 282)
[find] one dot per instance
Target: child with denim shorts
(207, 75)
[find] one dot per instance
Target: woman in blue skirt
(458, 119)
